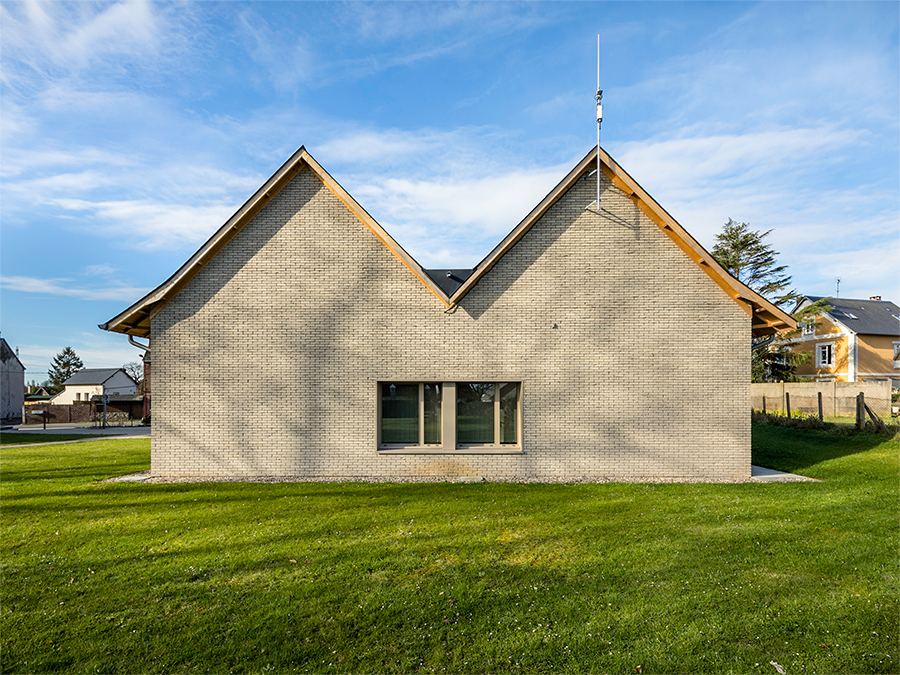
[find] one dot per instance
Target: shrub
(795, 421)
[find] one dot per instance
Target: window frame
(449, 444)
(820, 363)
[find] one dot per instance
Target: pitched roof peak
(766, 317)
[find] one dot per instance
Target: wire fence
(837, 402)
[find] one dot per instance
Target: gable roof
(869, 317)
(766, 317)
(93, 376)
(7, 354)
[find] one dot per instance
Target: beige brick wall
(267, 362)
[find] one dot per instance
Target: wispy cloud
(285, 58)
(70, 288)
(50, 39)
(153, 225)
(712, 161)
(100, 270)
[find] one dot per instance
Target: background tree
(65, 364)
(749, 259)
(135, 370)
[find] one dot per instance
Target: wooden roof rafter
(756, 306)
(136, 319)
(766, 317)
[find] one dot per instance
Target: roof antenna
(837, 287)
(599, 98)
(599, 118)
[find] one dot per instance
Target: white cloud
(71, 288)
(100, 350)
(780, 179)
(150, 224)
(49, 38)
(696, 162)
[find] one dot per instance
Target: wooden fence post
(860, 410)
(787, 403)
(821, 416)
(764, 404)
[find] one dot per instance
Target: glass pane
(475, 412)
(509, 412)
(399, 413)
(433, 413)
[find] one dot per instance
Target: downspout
(146, 348)
(131, 340)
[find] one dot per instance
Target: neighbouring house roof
(7, 354)
(869, 317)
(766, 317)
(93, 376)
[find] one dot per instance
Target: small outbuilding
(596, 341)
(90, 382)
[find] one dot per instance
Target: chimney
(874, 297)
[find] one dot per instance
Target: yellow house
(856, 340)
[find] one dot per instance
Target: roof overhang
(766, 318)
(136, 319)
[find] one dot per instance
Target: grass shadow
(795, 450)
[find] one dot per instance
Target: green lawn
(23, 437)
(125, 577)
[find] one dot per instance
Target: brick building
(590, 343)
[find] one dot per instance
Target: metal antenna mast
(599, 119)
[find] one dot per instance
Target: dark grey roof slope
(92, 376)
(7, 354)
(449, 280)
(871, 317)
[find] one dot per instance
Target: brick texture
(284, 335)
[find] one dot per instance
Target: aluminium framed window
(410, 413)
(487, 413)
(449, 417)
(896, 354)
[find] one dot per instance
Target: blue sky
(131, 131)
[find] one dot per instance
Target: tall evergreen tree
(65, 364)
(749, 259)
(744, 253)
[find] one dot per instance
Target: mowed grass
(30, 437)
(470, 578)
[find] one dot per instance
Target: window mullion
(421, 413)
(496, 413)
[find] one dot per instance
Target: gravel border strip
(146, 477)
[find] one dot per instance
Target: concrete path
(136, 430)
(73, 429)
(764, 475)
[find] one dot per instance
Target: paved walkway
(764, 475)
(73, 429)
(85, 428)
